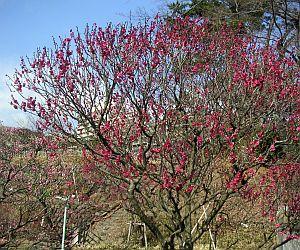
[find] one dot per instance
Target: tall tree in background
(273, 21)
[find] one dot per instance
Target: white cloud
(8, 115)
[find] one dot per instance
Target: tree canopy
(180, 117)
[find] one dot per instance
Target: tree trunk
(187, 246)
(169, 245)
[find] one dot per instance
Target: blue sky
(28, 24)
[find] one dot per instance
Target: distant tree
(179, 117)
(15, 216)
(273, 21)
(32, 173)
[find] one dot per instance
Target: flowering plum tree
(32, 173)
(181, 117)
(15, 216)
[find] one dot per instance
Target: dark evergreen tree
(273, 21)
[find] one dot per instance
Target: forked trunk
(187, 246)
(169, 245)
